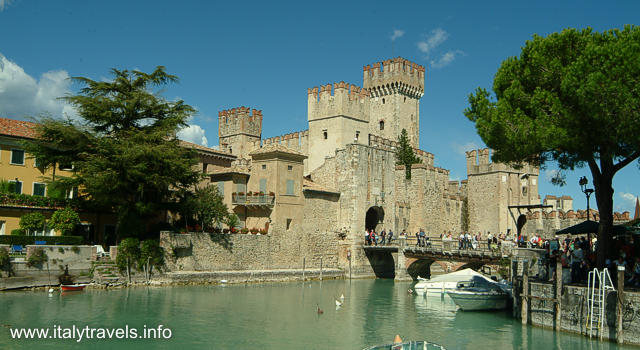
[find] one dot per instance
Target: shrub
(64, 220)
(128, 254)
(4, 258)
(31, 222)
(17, 232)
(37, 258)
(30, 240)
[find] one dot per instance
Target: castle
(348, 154)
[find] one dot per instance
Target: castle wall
(492, 188)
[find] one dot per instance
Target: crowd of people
(578, 256)
(466, 240)
(371, 237)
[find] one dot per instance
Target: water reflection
(276, 316)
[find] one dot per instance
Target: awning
(590, 227)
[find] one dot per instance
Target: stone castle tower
(495, 187)
(239, 130)
(342, 113)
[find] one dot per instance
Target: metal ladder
(598, 284)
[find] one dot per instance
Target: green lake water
(272, 316)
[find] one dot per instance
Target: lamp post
(587, 191)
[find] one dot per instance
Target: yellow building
(18, 167)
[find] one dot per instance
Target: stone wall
(78, 260)
(233, 252)
(575, 311)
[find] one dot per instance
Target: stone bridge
(405, 261)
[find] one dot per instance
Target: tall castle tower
(342, 113)
(240, 130)
(395, 87)
(494, 187)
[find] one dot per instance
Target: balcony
(256, 200)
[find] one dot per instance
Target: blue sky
(264, 55)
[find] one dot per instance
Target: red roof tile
(17, 128)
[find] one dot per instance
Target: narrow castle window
(405, 99)
(382, 100)
(324, 134)
(289, 167)
(264, 166)
(357, 136)
(382, 125)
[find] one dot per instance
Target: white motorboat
(480, 293)
(439, 285)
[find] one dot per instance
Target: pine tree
(405, 155)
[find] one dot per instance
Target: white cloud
(463, 148)
(437, 37)
(21, 95)
(397, 33)
(193, 133)
(551, 174)
(446, 59)
(5, 3)
(627, 197)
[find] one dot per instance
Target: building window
(240, 187)
(357, 136)
(264, 167)
(39, 189)
(289, 224)
(36, 163)
(290, 187)
(230, 150)
(381, 125)
(65, 166)
(383, 100)
(2, 225)
(263, 185)
(17, 157)
(17, 186)
(324, 134)
(289, 167)
(405, 99)
(221, 188)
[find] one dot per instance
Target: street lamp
(587, 191)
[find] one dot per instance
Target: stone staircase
(106, 272)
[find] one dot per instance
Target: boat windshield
(410, 345)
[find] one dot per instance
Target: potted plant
(254, 231)
(271, 194)
(225, 230)
(244, 230)
(263, 231)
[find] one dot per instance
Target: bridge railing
(454, 245)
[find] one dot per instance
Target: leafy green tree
(128, 255)
(151, 255)
(209, 207)
(571, 97)
(124, 150)
(405, 155)
(32, 222)
(64, 220)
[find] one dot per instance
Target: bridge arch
(419, 268)
(373, 217)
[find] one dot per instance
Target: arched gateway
(374, 217)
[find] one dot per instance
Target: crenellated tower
(240, 130)
(338, 114)
(395, 87)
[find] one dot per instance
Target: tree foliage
(405, 155)
(64, 220)
(571, 97)
(32, 222)
(128, 255)
(151, 255)
(124, 150)
(209, 207)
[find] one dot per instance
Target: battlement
(479, 162)
(240, 120)
(397, 75)
(390, 145)
(296, 140)
(338, 99)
